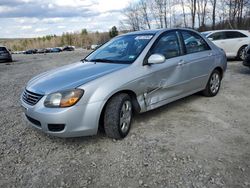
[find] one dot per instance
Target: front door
(165, 81)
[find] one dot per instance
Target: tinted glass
(167, 45)
(193, 42)
(234, 34)
(3, 49)
(218, 36)
(123, 49)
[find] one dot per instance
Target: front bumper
(79, 120)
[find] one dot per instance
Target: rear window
(3, 49)
(234, 34)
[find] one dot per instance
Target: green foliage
(84, 32)
(113, 32)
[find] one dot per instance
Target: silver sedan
(135, 72)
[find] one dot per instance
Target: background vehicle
(41, 51)
(233, 42)
(5, 55)
(56, 49)
(31, 51)
(246, 61)
(94, 46)
(138, 71)
(68, 48)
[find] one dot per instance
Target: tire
(241, 53)
(118, 116)
(213, 84)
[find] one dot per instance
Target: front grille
(30, 97)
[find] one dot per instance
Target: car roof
(212, 31)
(155, 31)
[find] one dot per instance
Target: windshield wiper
(102, 60)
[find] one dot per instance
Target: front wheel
(118, 116)
(213, 84)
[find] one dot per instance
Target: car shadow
(244, 70)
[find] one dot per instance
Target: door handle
(181, 62)
(210, 54)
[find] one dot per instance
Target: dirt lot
(194, 142)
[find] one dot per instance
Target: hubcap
(125, 116)
(215, 83)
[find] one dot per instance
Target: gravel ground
(194, 142)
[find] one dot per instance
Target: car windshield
(205, 34)
(123, 49)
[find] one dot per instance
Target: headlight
(63, 98)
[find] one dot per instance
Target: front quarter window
(123, 49)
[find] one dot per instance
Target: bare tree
(147, 14)
(213, 2)
(159, 9)
(144, 13)
(184, 13)
(132, 19)
(192, 5)
(202, 13)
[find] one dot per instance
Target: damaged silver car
(135, 72)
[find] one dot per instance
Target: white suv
(233, 42)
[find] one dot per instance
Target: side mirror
(210, 38)
(156, 59)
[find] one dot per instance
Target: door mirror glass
(156, 59)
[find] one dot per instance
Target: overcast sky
(32, 18)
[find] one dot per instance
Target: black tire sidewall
(112, 116)
(241, 50)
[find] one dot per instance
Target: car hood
(70, 76)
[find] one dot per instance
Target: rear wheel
(213, 85)
(118, 116)
(242, 53)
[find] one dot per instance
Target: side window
(3, 49)
(167, 45)
(193, 42)
(234, 34)
(218, 36)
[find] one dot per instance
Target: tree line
(197, 14)
(83, 39)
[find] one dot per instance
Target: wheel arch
(242, 47)
(220, 70)
(132, 94)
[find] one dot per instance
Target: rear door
(219, 39)
(234, 40)
(198, 60)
